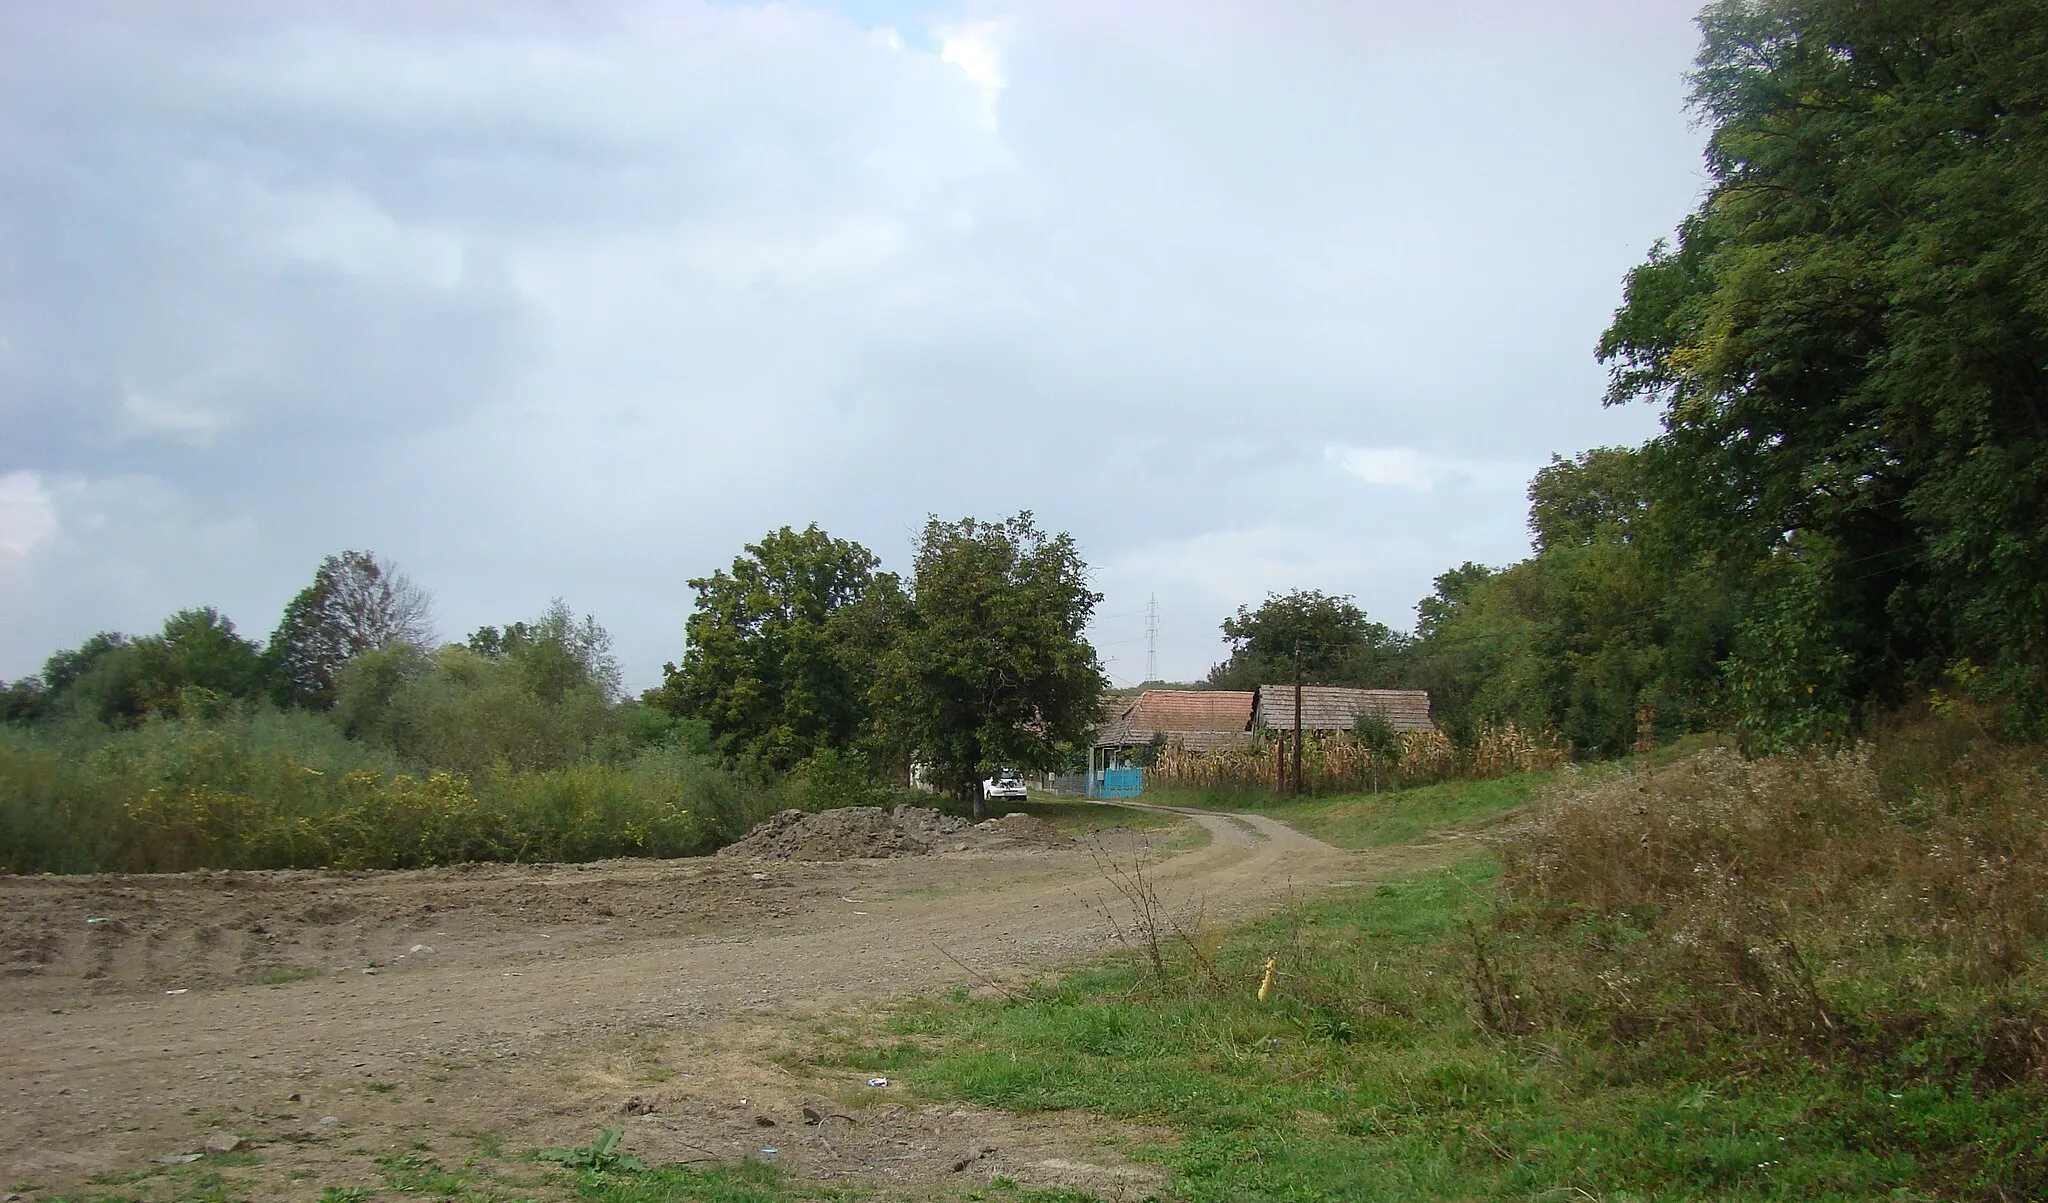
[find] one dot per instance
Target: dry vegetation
(1344, 761)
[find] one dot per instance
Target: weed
(344, 1194)
(601, 1155)
(285, 977)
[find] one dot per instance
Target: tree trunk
(980, 803)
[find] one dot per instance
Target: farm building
(1337, 708)
(1200, 720)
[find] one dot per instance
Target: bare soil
(478, 1012)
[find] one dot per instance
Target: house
(1200, 720)
(1337, 708)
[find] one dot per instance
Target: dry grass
(1882, 902)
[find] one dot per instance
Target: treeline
(811, 678)
(349, 738)
(1848, 341)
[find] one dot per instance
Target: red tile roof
(1196, 719)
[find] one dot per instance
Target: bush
(273, 790)
(1877, 904)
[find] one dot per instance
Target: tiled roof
(1336, 708)
(1196, 719)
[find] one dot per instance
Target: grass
(1405, 816)
(1073, 816)
(1559, 1029)
(1367, 1076)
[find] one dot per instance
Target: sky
(575, 300)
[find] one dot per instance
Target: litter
(179, 990)
(178, 1159)
(878, 1081)
(92, 919)
(769, 1150)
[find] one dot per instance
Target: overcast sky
(576, 299)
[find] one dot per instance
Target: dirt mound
(870, 831)
(1025, 829)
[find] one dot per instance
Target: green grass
(1404, 816)
(1075, 816)
(1366, 1076)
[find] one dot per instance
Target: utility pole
(1152, 638)
(1297, 720)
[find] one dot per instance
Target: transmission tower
(1152, 638)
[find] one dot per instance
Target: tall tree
(354, 604)
(557, 652)
(1337, 643)
(1850, 345)
(781, 646)
(196, 660)
(992, 667)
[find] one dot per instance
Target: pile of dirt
(870, 831)
(1021, 828)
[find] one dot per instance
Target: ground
(353, 1028)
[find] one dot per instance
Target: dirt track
(523, 1004)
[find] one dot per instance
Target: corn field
(1335, 761)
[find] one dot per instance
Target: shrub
(1882, 907)
(287, 790)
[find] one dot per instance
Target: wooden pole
(1297, 720)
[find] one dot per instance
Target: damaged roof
(1196, 719)
(1336, 707)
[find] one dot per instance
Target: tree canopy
(780, 646)
(992, 667)
(1338, 644)
(354, 604)
(1849, 342)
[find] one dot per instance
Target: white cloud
(151, 414)
(28, 517)
(975, 49)
(543, 300)
(1407, 468)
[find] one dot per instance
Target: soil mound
(869, 831)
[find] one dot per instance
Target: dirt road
(327, 1018)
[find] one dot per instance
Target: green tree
(781, 648)
(556, 652)
(1849, 342)
(541, 695)
(991, 667)
(196, 663)
(1338, 644)
(354, 604)
(1614, 622)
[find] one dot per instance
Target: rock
(637, 1106)
(328, 1121)
(173, 1159)
(223, 1142)
(762, 1121)
(812, 1117)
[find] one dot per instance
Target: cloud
(1407, 468)
(576, 301)
(28, 517)
(974, 48)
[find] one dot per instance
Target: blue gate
(1119, 783)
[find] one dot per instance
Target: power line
(1152, 638)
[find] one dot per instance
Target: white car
(1005, 784)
